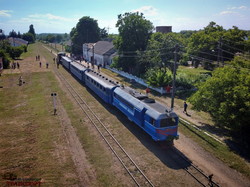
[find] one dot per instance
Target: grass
(27, 132)
(191, 71)
(30, 135)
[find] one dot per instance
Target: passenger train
(154, 118)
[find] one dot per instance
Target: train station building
(102, 52)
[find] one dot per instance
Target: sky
(60, 16)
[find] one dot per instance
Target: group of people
(15, 65)
(40, 63)
(47, 64)
(37, 57)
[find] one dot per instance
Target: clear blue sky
(60, 16)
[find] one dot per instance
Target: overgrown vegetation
(226, 96)
(8, 53)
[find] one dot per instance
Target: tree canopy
(134, 32)
(32, 31)
(226, 96)
(213, 41)
(86, 31)
(28, 37)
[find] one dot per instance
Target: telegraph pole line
(219, 56)
(174, 76)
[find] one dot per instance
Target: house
(15, 42)
(102, 52)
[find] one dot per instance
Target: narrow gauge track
(190, 168)
(127, 162)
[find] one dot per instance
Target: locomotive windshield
(167, 122)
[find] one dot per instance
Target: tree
(226, 96)
(32, 31)
(15, 52)
(50, 38)
(2, 35)
(13, 34)
(86, 31)
(160, 51)
(19, 35)
(29, 37)
(158, 78)
(103, 33)
(134, 32)
(233, 41)
(213, 41)
(203, 45)
(58, 38)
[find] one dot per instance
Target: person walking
(185, 107)
(20, 81)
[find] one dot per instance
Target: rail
(127, 162)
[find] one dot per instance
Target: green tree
(204, 44)
(32, 31)
(86, 31)
(15, 52)
(51, 38)
(103, 33)
(233, 41)
(134, 32)
(2, 35)
(226, 96)
(13, 34)
(158, 78)
(59, 38)
(29, 37)
(160, 51)
(19, 35)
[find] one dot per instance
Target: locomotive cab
(161, 126)
(59, 56)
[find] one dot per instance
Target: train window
(167, 122)
(101, 87)
(152, 121)
(104, 89)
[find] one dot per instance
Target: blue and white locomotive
(154, 118)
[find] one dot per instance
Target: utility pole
(174, 75)
(219, 56)
(93, 51)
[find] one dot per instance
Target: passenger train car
(154, 118)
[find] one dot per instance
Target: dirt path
(224, 175)
(83, 167)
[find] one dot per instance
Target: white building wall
(99, 59)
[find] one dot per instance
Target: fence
(160, 90)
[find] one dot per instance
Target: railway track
(136, 174)
(127, 162)
(197, 174)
